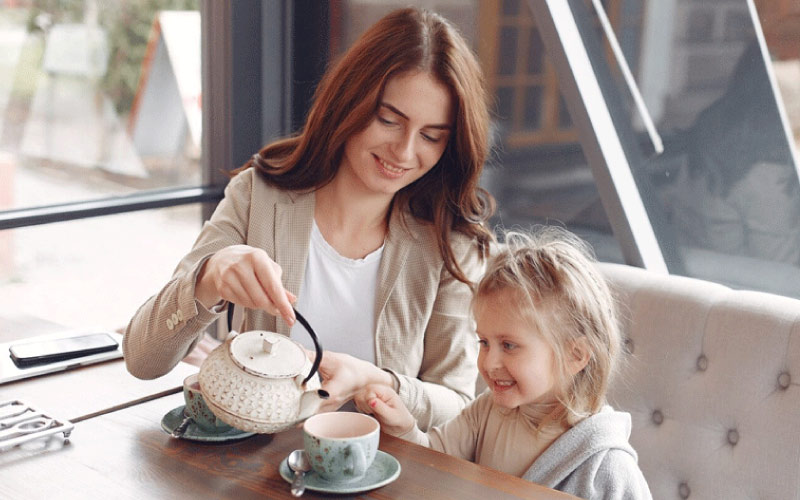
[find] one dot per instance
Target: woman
(370, 221)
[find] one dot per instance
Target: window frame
(233, 87)
(598, 136)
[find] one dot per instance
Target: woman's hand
(245, 276)
(382, 402)
(343, 376)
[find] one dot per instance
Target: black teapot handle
(317, 346)
(302, 320)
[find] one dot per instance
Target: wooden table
(82, 392)
(92, 390)
(126, 454)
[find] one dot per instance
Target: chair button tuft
(658, 417)
(784, 380)
(684, 491)
(702, 363)
(733, 437)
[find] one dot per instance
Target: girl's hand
(245, 276)
(343, 376)
(382, 402)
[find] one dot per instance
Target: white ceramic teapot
(261, 381)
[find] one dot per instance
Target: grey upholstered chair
(712, 383)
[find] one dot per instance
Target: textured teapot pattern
(249, 402)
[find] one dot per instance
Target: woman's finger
(268, 274)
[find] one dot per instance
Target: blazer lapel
(393, 260)
(293, 222)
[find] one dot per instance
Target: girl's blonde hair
(557, 285)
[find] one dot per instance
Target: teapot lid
(267, 354)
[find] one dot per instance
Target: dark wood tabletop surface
(126, 454)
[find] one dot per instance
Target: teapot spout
(310, 402)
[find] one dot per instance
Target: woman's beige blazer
(424, 334)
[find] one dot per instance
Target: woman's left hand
(344, 375)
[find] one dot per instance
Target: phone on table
(40, 352)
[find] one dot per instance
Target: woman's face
(514, 360)
(405, 138)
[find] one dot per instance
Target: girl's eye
(483, 343)
(508, 346)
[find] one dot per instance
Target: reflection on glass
(724, 197)
(564, 120)
(505, 103)
(737, 190)
(535, 52)
(511, 7)
(102, 97)
(508, 50)
(533, 106)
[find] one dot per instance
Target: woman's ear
(578, 354)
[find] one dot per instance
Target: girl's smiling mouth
(502, 385)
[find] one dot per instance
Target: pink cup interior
(191, 382)
(340, 424)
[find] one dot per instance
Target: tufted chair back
(712, 383)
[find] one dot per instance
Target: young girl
(549, 343)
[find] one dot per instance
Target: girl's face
(404, 140)
(514, 360)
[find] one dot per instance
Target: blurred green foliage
(128, 23)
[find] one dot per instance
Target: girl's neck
(355, 225)
(545, 414)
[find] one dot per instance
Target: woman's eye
(509, 346)
(385, 121)
(430, 138)
(483, 343)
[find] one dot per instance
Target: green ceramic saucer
(194, 433)
(383, 471)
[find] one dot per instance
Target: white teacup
(341, 445)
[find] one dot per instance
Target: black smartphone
(40, 352)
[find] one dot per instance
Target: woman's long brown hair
(346, 101)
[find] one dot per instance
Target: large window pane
(92, 272)
(100, 97)
(724, 196)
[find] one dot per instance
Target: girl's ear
(578, 355)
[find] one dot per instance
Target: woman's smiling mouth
(390, 170)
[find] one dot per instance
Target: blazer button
(169, 324)
(175, 320)
(180, 315)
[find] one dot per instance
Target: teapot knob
(268, 344)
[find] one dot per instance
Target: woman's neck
(354, 225)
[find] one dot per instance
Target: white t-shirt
(337, 298)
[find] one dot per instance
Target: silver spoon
(298, 462)
(178, 431)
